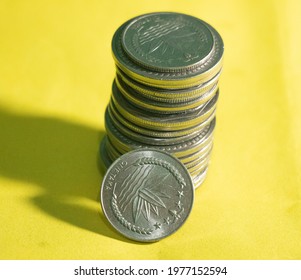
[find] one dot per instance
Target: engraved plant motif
(168, 37)
(146, 193)
(148, 199)
(174, 42)
(143, 192)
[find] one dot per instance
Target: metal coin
(147, 195)
(167, 42)
(157, 133)
(178, 150)
(202, 157)
(199, 179)
(154, 121)
(168, 95)
(192, 158)
(114, 151)
(183, 79)
(164, 107)
(110, 118)
(195, 170)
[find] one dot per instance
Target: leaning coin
(147, 195)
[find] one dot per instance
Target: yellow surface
(56, 71)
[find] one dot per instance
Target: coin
(182, 79)
(157, 133)
(167, 42)
(164, 107)
(199, 179)
(147, 195)
(168, 95)
(154, 121)
(179, 150)
(110, 118)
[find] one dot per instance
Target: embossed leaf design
(154, 209)
(147, 195)
(149, 198)
(155, 45)
(164, 48)
(146, 213)
(145, 202)
(137, 207)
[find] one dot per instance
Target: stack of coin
(165, 91)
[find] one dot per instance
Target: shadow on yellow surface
(60, 158)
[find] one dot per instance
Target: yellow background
(56, 71)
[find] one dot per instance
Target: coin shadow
(61, 159)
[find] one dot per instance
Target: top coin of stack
(166, 88)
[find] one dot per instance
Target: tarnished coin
(167, 42)
(147, 195)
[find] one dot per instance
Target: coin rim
(190, 182)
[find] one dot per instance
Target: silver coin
(147, 195)
(195, 170)
(199, 179)
(114, 151)
(157, 133)
(110, 119)
(205, 155)
(178, 150)
(154, 121)
(164, 107)
(167, 42)
(183, 79)
(193, 167)
(168, 95)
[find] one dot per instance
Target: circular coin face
(185, 77)
(147, 195)
(167, 42)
